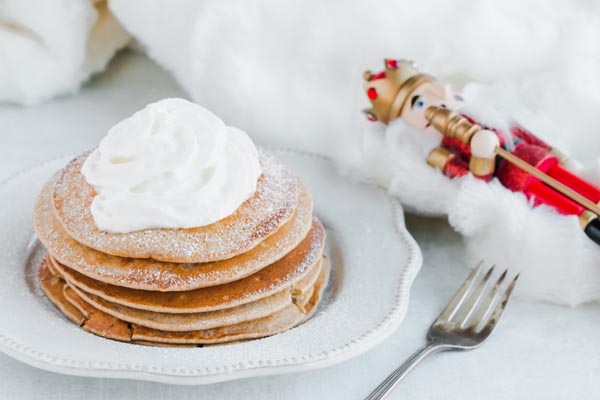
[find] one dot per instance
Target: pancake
(52, 286)
(272, 279)
(104, 325)
(81, 314)
(97, 322)
(51, 267)
(148, 274)
(279, 322)
(303, 298)
(259, 217)
(206, 320)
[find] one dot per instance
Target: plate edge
(216, 374)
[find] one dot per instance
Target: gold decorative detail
(404, 93)
(439, 157)
(393, 89)
(562, 157)
(451, 124)
(482, 166)
(586, 217)
(454, 125)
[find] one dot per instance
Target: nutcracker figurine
(518, 159)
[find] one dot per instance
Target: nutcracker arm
(444, 160)
(483, 154)
(452, 124)
(482, 142)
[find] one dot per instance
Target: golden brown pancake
(78, 312)
(188, 322)
(303, 299)
(259, 217)
(97, 322)
(104, 325)
(281, 321)
(211, 319)
(272, 279)
(53, 286)
(148, 274)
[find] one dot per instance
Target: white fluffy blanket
(290, 73)
(49, 47)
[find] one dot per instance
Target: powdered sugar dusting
(155, 275)
(291, 269)
(343, 326)
(272, 205)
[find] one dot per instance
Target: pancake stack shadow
(256, 273)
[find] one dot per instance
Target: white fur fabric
(557, 262)
(49, 47)
(290, 73)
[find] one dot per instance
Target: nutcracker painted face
(424, 96)
(401, 91)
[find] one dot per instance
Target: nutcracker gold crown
(390, 89)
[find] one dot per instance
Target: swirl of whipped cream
(173, 164)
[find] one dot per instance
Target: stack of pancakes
(258, 272)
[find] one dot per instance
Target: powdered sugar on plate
(374, 261)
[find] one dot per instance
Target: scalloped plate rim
(11, 346)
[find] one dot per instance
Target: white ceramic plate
(374, 263)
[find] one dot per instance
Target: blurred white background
(290, 73)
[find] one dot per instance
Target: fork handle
(395, 377)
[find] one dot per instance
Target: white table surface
(538, 352)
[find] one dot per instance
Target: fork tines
(479, 302)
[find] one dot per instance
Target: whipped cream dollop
(173, 164)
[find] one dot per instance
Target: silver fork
(465, 323)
